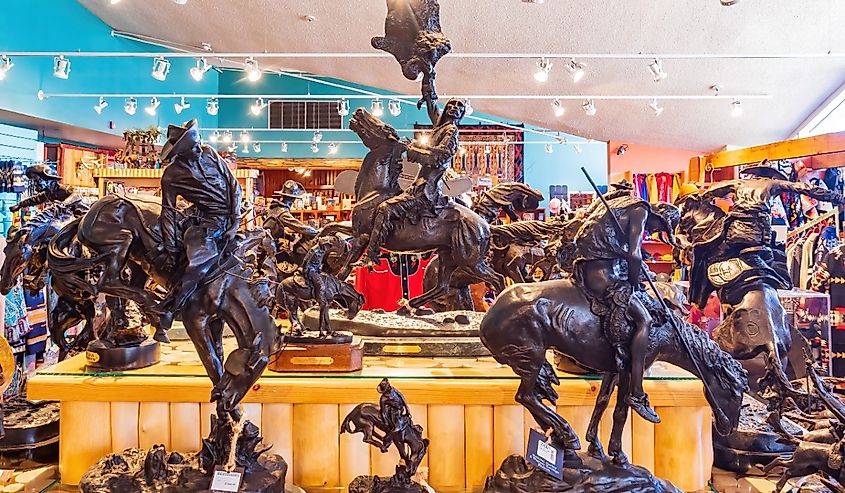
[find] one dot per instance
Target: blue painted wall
(65, 25)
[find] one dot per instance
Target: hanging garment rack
(834, 214)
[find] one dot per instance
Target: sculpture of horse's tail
(68, 267)
(346, 425)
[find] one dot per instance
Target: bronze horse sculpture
(459, 236)
(231, 294)
(528, 319)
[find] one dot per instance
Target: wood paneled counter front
(465, 405)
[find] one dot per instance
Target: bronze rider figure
(425, 195)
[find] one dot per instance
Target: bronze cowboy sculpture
(284, 226)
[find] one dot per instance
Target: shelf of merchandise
(151, 178)
(465, 405)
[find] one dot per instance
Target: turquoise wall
(65, 25)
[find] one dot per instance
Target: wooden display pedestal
(319, 357)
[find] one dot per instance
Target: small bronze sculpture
(45, 187)
(279, 221)
(460, 237)
(413, 37)
(389, 423)
(312, 283)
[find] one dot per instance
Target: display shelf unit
(465, 405)
(151, 178)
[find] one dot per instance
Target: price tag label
(225, 481)
(545, 456)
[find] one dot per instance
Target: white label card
(547, 452)
(225, 481)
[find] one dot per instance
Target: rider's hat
(763, 170)
(292, 189)
(41, 171)
(180, 139)
(685, 191)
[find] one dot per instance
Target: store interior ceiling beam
(789, 149)
(257, 55)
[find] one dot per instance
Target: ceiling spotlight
(180, 2)
(728, 3)
(245, 149)
(318, 136)
(199, 71)
(315, 148)
(549, 149)
(5, 65)
(544, 66)
(227, 137)
(101, 105)
(256, 148)
(736, 108)
(253, 72)
(212, 106)
(233, 148)
(558, 108)
(161, 67)
(377, 107)
(130, 106)
(114, 1)
(578, 148)
(284, 147)
(153, 107)
(214, 137)
(259, 105)
(61, 67)
(181, 106)
(656, 69)
(655, 106)
(621, 150)
(343, 107)
(333, 148)
(395, 107)
(244, 136)
(468, 109)
(589, 107)
(576, 70)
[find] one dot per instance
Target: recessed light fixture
(61, 67)
(199, 71)
(5, 65)
(180, 2)
(317, 137)
(181, 106)
(736, 108)
(153, 107)
(212, 106)
(655, 106)
(377, 107)
(395, 107)
(257, 107)
(589, 107)
(253, 71)
(544, 66)
(343, 107)
(130, 106)
(113, 2)
(161, 67)
(101, 105)
(244, 136)
(656, 69)
(558, 108)
(576, 70)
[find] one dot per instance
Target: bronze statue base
(314, 337)
(29, 424)
(375, 484)
(101, 357)
(157, 471)
(442, 334)
(582, 475)
(319, 357)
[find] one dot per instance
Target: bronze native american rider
(608, 267)
(425, 196)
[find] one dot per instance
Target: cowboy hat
(292, 189)
(41, 171)
(763, 170)
(685, 191)
(180, 139)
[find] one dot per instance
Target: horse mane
(716, 361)
(525, 231)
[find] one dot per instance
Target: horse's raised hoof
(161, 336)
(596, 451)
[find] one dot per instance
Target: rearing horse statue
(460, 237)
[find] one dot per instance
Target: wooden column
(446, 454)
(508, 433)
(277, 430)
(154, 424)
(85, 437)
(124, 426)
(185, 427)
(479, 445)
(316, 448)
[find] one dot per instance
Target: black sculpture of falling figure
(387, 424)
(412, 35)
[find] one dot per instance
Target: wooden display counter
(465, 405)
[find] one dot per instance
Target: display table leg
(683, 447)
(85, 437)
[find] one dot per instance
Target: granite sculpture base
(390, 334)
(376, 484)
(316, 355)
(582, 475)
(157, 471)
(102, 357)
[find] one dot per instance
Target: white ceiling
(799, 86)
